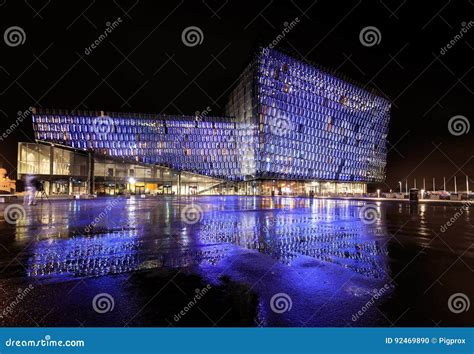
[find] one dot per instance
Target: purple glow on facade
(287, 120)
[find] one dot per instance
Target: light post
(467, 186)
(400, 183)
(378, 193)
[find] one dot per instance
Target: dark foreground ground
(236, 261)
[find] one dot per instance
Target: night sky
(144, 66)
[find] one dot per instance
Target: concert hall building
(289, 128)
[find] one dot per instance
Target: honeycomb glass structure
(311, 124)
(284, 120)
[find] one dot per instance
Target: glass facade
(311, 125)
(285, 120)
(67, 171)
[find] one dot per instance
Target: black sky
(143, 65)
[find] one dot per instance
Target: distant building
(7, 186)
(290, 128)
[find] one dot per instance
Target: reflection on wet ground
(329, 256)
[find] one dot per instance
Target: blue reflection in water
(324, 231)
(157, 237)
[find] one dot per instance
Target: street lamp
(378, 193)
(400, 183)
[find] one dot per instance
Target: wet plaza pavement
(235, 261)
